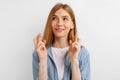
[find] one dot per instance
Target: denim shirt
(84, 65)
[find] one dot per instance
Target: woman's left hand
(74, 48)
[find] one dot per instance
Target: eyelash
(53, 18)
(65, 19)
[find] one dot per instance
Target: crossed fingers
(38, 41)
(76, 43)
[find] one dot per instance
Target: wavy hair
(48, 34)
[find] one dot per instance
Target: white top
(59, 55)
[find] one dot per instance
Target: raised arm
(42, 55)
(73, 52)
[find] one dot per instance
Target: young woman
(59, 54)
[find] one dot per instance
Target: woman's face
(61, 23)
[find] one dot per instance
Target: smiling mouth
(59, 29)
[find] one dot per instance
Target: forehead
(61, 12)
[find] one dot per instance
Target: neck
(60, 43)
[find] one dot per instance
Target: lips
(59, 29)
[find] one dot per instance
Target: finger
(42, 47)
(40, 44)
(44, 41)
(78, 40)
(76, 44)
(70, 42)
(76, 36)
(39, 37)
(35, 41)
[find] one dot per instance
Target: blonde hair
(48, 34)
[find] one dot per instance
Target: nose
(60, 22)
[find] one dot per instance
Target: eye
(53, 18)
(65, 19)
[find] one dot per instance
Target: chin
(60, 35)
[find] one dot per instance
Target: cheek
(53, 23)
(53, 29)
(67, 25)
(70, 25)
(67, 30)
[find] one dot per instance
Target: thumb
(70, 42)
(44, 41)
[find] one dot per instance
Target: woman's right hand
(40, 48)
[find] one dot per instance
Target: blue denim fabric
(84, 65)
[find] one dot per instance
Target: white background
(98, 23)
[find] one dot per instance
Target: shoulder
(84, 53)
(84, 50)
(48, 47)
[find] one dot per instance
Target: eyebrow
(63, 16)
(66, 16)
